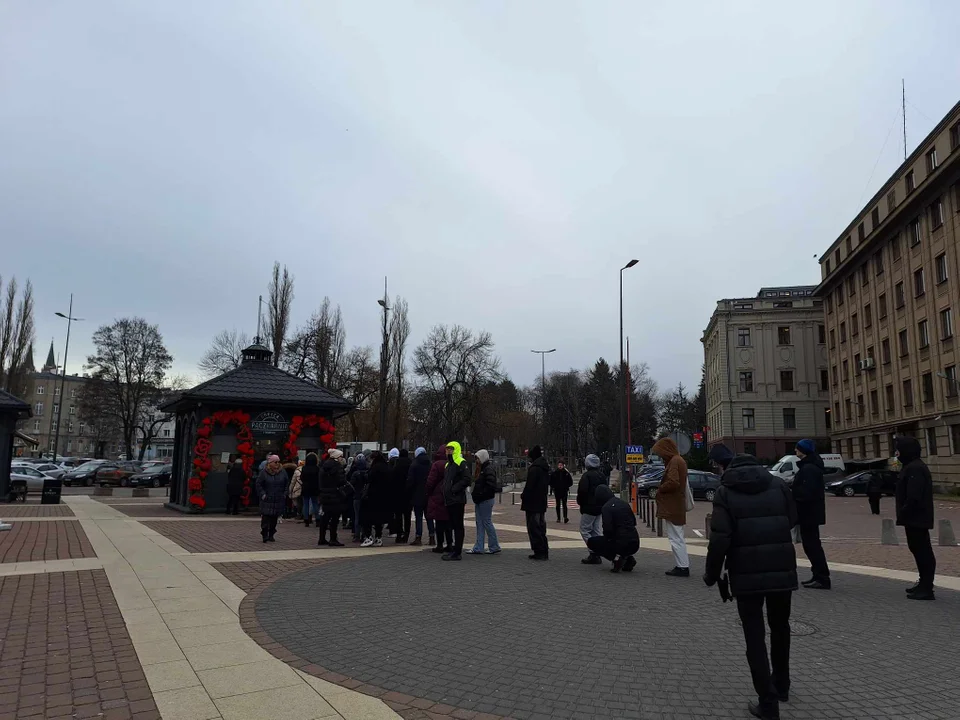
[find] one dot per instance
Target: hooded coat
(533, 499)
(310, 477)
(401, 472)
(332, 478)
(485, 488)
(417, 480)
(272, 490)
(436, 507)
(672, 493)
(914, 487)
(561, 481)
(378, 497)
(808, 492)
(456, 478)
(619, 520)
(753, 513)
(357, 476)
(586, 491)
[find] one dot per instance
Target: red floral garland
(297, 424)
(201, 452)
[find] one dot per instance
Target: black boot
(617, 564)
(629, 564)
(592, 559)
(922, 595)
(757, 711)
(678, 572)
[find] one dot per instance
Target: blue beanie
(807, 446)
(721, 454)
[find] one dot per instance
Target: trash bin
(50, 495)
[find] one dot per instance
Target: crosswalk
(571, 503)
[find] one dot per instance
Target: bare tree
(129, 364)
(16, 336)
(152, 419)
(280, 299)
(360, 382)
(399, 336)
(317, 350)
(225, 353)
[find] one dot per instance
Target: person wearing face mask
(456, 481)
(272, 484)
(332, 481)
(915, 514)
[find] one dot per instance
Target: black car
(85, 474)
(857, 483)
(703, 484)
(156, 476)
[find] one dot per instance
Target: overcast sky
(500, 161)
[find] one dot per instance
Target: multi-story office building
(891, 288)
(766, 372)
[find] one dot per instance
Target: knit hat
(483, 457)
(335, 454)
(273, 458)
(419, 451)
(535, 452)
(721, 454)
(807, 447)
(592, 461)
(393, 454)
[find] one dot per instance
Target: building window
(907, 393)
(878, 262)
(750, 448)
(950, 375)
(852, 286)
(876, 446)
(840, 296)
(822, 334)
(955, 137)
(941, 266)
(166, 432)
(927, 387)
(829, 303)
(891, 200)
(849, 447)
(833, 338)
(38, 409)
(36, 426)
(861, 410)
(41, 389)
(73, 410)
(786, 380)
(789, 419)
(890, 399)
(848, 407)
(923, 334)
(936, 214)
(56, 391)
(743, 337)
(783, 335)
(849, 244)
(895, 247)
(864, 275)
(836, 257)
(749, 422)
(867, 316)
(73, 393)
(882, 307)
(899, 295)
(857, 365)
(746, 382)
(860, 233)
(946, 324)
(854, 325)
(913, 231)
(874, 403)
(827, 266)
(931, 441)
(932, 160)
(885, 351)
(846, 371)
(875, 218)
(56, 408)
(904, 344)
(843, 332)
(824, 380)
(863, 446)
(82, 425)
(910, 181)
(919, 286)
(826, 417)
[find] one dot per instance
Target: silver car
(33, 477)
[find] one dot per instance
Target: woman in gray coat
(272, 485)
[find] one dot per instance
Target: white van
(786, 467)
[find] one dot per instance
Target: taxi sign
(635, 459)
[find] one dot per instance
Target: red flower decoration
(202, 463)
(203, 446)
(194, 483)
(204, 431)
(298, 423)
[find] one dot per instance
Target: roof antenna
(903, 101)
(259, 316)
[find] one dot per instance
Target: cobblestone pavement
(559, 640)
(54, 540)
(65, 651)
(34, 510)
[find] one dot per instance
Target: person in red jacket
(436, 507)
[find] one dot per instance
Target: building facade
(891, 292)
(766, 372)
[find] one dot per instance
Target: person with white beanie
(484, 497)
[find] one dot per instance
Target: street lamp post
(624, 491)
(63, 375)
(543, 385)
(383, 369)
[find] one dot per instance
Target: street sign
(635, 459)
(634, 450)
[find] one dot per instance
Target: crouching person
(620, 540)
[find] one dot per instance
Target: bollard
(888, 533)
(140, 492)
(650, 517)
(659, 527)
(947, 538)
(103, 491)
(706, 526)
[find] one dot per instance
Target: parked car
(117, 473)
(150, 464)
(857, 483)
(786, 468)
(85, 474)
(47, 468)
(73, 462)
(33, 477)
(155, 476)
(703, 484)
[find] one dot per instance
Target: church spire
(51, 364)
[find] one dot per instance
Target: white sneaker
(367, 542)
(5, 526)
(378, 542)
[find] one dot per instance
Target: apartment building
(766, 372)
(891, 291)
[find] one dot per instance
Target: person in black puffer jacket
(484, 496)
(456, 481)
(357, 477)
(591, 524)
(620, 540)
(533, 501)
(310, 488)
(332, 482)
(417, 490)
(753, 513)
(809, 496)
(376, 508)
(915, 514)
(403, 504)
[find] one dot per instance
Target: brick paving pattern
(65, 651)
(16, 510)
(151, 509)
(249, 575)
(893, 557)
(494, 635)
(54, 540)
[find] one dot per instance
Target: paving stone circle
(501, 635)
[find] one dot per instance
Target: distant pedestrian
(750, 531)
(402, 499)
(295, 490)
(332, 482)
(310, 489)
(376, 507)
(357, 477)
(591, 520)
(417, 488)
(620, 540)
(436, 507)
(915, 514)
(291, 508)
(484, 496)
(236, 479)
(533, 502)
(272, 485)
(456, 482)
(560, 482)
(808, 494)
(874, 491)
(672, 503)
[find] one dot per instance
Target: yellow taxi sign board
(634, 459)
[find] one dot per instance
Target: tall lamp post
(543, 385)
(624, 491)
(63, 375)
(383, 369)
